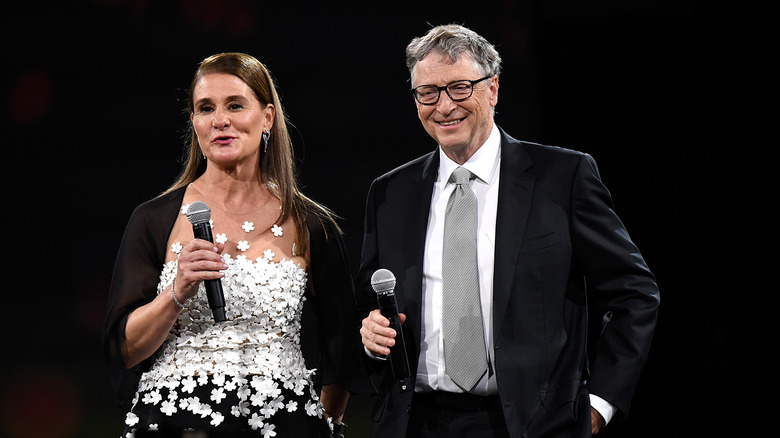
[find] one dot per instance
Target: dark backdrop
(94, 125)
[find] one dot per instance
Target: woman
(278, 255)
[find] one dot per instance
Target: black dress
(256, 374)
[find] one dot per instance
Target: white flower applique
(311, 408)
(248, 226)
(188, 385)
(217, 394)
(217, 418)
(243, 245)
(152, 397)
(268, 430)
(277, 230)
(268, 254)
(168, 408)
(256, 421)
(131, 419)
(221, 238)
(176, 247)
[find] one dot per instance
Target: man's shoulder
(411, 169)
(533, 148)
(549, 149)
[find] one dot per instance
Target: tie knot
(460, 175)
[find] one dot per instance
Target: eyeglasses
(458, 91)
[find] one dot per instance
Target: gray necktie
(465, 358)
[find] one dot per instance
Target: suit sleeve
(366, 297)
(373, 370)
(622, 292)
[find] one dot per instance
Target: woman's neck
(232, 194)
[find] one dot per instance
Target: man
(565, 306)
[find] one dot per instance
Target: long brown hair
(276, 164)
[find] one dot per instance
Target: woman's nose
(220, 120)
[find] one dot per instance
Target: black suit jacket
(568, 284)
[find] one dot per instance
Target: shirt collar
(483, 163)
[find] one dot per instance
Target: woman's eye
(235, 106)
(205, 109)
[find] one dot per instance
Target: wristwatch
(339, 430)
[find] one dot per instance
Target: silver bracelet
(178, 303)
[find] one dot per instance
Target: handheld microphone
(383, 282)
(199, 215)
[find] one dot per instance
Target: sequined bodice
(263, 302)
(256, 352)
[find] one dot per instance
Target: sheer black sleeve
(330, 333)
(136, 273)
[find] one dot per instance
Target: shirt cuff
(372, 355)
(603, 407)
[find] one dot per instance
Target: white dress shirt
(431, 369)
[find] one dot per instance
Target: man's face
(459, 127)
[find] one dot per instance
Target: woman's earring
(266, 136)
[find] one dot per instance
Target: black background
(659, 92)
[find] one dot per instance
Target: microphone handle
(214, 291)
(398, 359)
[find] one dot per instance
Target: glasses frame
(446, 89)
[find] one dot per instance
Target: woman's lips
(223, 140)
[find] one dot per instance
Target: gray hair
(454, 41)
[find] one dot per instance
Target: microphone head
(383, 281)
(198, 212)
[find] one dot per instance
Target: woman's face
(229, 120)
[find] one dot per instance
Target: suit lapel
(418, 208)
(515, 193)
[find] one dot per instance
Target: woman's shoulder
(158, 214)
(321, 223)
(166, 201)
